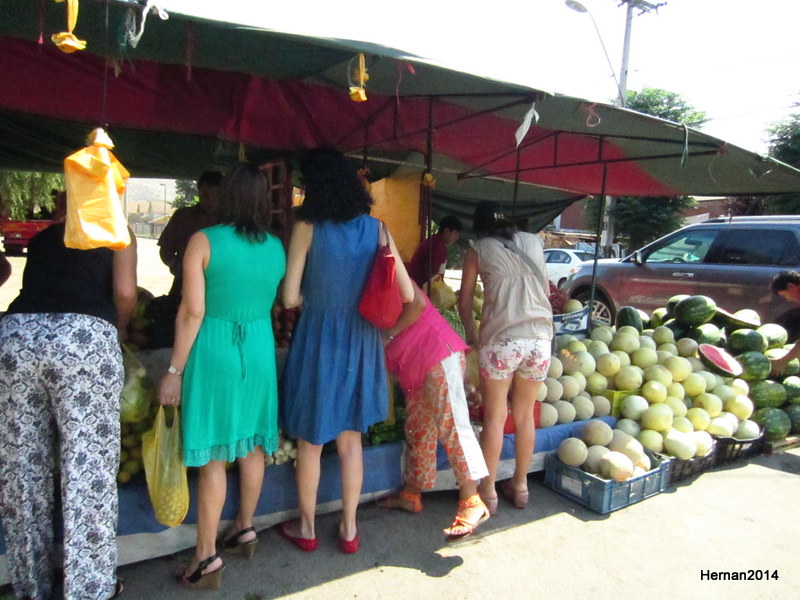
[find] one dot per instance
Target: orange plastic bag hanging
(167, 483)
(95, 182)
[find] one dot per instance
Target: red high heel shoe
(349, 546)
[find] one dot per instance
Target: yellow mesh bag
(165, 471)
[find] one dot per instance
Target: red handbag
(380, 302)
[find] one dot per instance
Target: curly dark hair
(245, 202)
(333, 189)
(782, 280)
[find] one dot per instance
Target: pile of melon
(608, 453)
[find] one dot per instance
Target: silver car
(731, 260)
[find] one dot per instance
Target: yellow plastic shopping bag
(165, 471)
(95, 183)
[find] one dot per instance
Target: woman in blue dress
(334, 383)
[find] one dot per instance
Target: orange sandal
(461, 527)
(403, 500)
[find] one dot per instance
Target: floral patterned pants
(437, 412)
(61, 377)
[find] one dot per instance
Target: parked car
(560, 261)
(731, 260)
(17, 234)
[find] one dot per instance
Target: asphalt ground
(740, 518)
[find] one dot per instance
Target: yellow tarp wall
(397, 205)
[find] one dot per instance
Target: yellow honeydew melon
(711, 380)
(694, 385)
(687, 347)
(597, 432)
(638, 472)
(542, 393)
(654, 392)
(644, 357)
(602, 406)
(663, 335)
(596, 383)
(587, 362)
(704, 442)
(669, 349)
(594, 454)
(662, 355)
(585, 394)
(740, 405)
(676, 390)
(732, 418)
(645, 341)
(678, 407)
(576, 346)
(556, 369)
(554, 389)
(658, 373)
(572, 451)
(657, 417)
(581, 379)
(720, 426)
(633, 406)
(624, 358)
(548, 415)
(572, 305)
(680, 445)
(628, 329)
(720, 381)
(628, 378)
(682, 424)
(628, 445)
(699, 418)
(597, 348)
(584, 408)
(643, 462)
(563, 340)
(616, 466)
(569, 387)
(652, 440)
(679, 367)
(708, 402)
(566, 412)
(747, 430)
(608, 364)
(629, 426)
(725, 392)
(626, 342)
(740, 386)
(569, 364)
(697, 364)
(603, 334)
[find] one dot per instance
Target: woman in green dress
(222, 370)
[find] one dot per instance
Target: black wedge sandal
(204, 581)
(232, 545)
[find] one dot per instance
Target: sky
(735, 60)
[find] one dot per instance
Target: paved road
(730, 519)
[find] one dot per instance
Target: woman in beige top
(514, 342)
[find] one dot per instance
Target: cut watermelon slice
(719, 361)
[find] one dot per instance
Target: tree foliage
(784, 145)
(666, 105)
(185, 193)
(24, 193)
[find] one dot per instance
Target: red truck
(17, 234)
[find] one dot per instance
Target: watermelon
(673, 302)
(745, 340)
(792, 386)
(645, 318)
(767, 393)
(775, 422)
(719, 361)
(748, 315)
(658, 317)
(756, 365)
(695, 310)
(791, 368)
(793, 412)
(679, 329)
(775, 335)
(628, 315)
(707, 333)
(730, 322)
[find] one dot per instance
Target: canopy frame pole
(425, 190)
(516, 188)
(600, 215)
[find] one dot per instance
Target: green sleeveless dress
(230, 396)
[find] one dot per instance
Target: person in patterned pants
(427, 357)
(61, 378)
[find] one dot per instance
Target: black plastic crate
(730, 449)
(685, 469)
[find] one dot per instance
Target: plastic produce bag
(163, 466)
(442, 296)
(138, 390)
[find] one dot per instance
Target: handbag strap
(383, 235)
(511, 245)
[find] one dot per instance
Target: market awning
(194, 89)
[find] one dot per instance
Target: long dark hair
(333, 189)
(245, 203)
(488, 221)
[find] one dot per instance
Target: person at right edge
(514, 345)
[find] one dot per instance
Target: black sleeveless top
(58, 279)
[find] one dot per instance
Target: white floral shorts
(529, 358)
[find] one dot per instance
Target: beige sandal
(518, 499)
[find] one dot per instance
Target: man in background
(430, 257)
(186, 222)
(786, 284)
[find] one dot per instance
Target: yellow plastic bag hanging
(163, 466)
(95, 182)
(66, 40)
